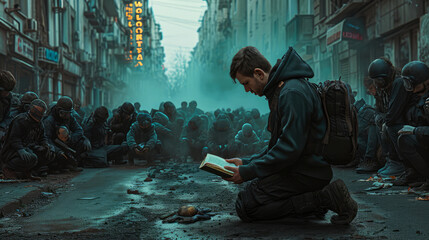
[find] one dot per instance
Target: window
(322, 8)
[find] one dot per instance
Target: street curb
(26, 199)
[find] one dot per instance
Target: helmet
(7, 81)
(37, 109)
(101, 114)
(65, 104)
(414, 73)
(127, 108)
(28, 97)
(380, 70)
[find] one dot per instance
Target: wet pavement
(123, 203)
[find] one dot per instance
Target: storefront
(48, 61)
(71, 78)
(21, 63)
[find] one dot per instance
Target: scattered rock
(148, 179)
(129, 191)
(187, 211)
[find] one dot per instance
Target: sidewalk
(17, 193)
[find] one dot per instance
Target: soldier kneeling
(26, 149)
(141, 138)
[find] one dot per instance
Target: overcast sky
(179, 20)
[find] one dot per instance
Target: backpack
(340, 141)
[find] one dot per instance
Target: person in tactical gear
(414, 137)
(247, 140)
(59, 123)
(26, 149)
(221, 138)
(165, 134)
(121, 122)
(141, 138)
(288, 179)
(77, 112)
(194, 139)
(396, 101)
(7, 83)
(95, 129)
(367, 138)
(23, 106)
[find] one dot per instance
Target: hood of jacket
(291, 66)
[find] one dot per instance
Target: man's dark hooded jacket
(296, 114)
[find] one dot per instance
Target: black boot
(308, 204)
(368, 165)
(408, 177)
(336, 197)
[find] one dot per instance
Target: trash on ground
(87, 198)
(378, 186)
(425, 198)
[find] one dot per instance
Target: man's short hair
(246, 60)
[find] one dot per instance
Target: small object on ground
(129, 191)
(172, 188)
(188, 214)
(87, 198)
(425, 198)
(47, 194)
(379, 185)
(148, 179)
(187, 211)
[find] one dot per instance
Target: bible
(215, 165)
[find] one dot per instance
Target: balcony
(346, 10)
(96, 19)
(299, 30)
(112, 35)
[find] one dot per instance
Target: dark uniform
(248, 141)
(221, 138)
(367, 138)
(121, 122)
(414, 144)
(7, 83)
(95, 129)
(26, 146)
(194, 139)
(141, 138)
(61, 117)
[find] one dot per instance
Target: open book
(215, 165)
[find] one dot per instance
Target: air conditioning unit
(31, 25)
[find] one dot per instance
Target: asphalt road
(117, 203)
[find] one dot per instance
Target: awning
(350, 29)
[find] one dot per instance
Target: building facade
(73, 48)
(337, 38)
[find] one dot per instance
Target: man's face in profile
(254, 84)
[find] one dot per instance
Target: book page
(213, 159)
